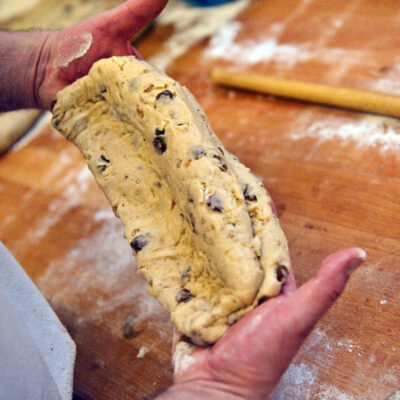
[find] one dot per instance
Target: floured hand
(249, 360)
(68, 54)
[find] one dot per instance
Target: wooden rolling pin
(358, 100)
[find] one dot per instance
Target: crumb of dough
(142, 352)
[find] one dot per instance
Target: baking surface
(332, 174)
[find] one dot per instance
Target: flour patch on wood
(97, 277)
(223, 45)
(99, 262)
(394, 396)
(328, 392)
(391, 377)
(389, 82)
(297, 382)
(300, 380)
(76, 187)
(227, 45)
(382, 133)
(191, 24)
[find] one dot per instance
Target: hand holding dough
(200, 223)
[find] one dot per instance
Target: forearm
(21, 71)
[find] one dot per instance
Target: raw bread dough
(200, 223)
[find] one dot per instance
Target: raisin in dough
(201, 225)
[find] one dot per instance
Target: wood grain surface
(333, 175)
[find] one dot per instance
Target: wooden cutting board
(332, 174)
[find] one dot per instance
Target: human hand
(68, 54)
(248, 361)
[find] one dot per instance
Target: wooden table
(332, 173)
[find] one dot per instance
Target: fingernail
(357, 261)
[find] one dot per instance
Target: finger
(297, 313)
(272, 333)
(188, 360)
(290, 285)
(127, 19)
(314, 298)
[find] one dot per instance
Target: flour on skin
(182, 358)
(78, 46)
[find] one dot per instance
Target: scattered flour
(390, 82)
(394, 396)
(373, 131)
(222, 45)
(142, 352)
(96, 264)
(332, 393)
(104, 214)
(297, 382)
(191, 24)
(337, 23)
(301, 380)
(350, 347)
(391, 377)
(76, 187)
(96, 277)
(226, 45)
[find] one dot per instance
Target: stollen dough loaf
(201, 225)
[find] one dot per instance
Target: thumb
(124, 21)
(301, 311)
(274, 331)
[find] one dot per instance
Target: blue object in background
(208, 3)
